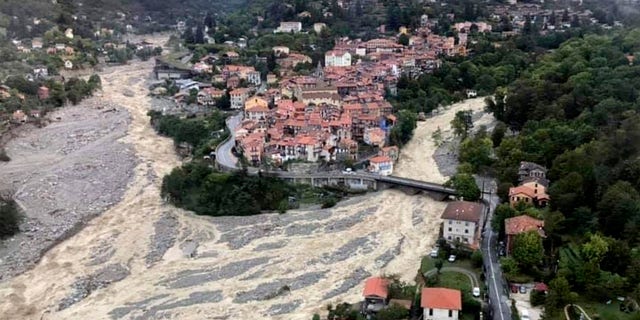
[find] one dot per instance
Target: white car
(434, 253)
(476, 291)
(452, 258)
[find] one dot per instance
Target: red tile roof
(521, 224)
(376, 286)
(441, 298)
(380, 159)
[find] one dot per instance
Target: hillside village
(327, 99)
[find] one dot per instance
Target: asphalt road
(224, 155)
(497, 288)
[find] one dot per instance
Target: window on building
(449, 229)
(466, 230)
(449, 237)
(466, 224)
(450, 313)
(450, 222)
(430, 312)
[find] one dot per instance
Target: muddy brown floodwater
(144, 259)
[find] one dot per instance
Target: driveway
(473, 279)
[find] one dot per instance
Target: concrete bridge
(226, 161)
(365, 181)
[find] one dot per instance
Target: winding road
(224, 156)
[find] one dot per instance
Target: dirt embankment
(145, 259)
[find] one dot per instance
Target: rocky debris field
(101, 279)
(62, 175)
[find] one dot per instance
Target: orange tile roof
(522, 224)
(380, 159)
(376, 286)
(441, 298)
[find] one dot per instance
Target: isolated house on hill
(531, 170)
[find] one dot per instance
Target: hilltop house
(521, 224)
(531, 170)
(461, 221)
(289, 26)
(441, 303)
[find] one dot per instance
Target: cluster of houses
(326, 115)
(531, 191)
(436, 303)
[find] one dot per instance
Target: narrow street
(498, 295)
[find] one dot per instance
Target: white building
(441, 303)
(381, 165)
(253, 77)
(461, 220)
(317, 27)
(281, 50)
(336, 58)
(238, 98)
(289, 26)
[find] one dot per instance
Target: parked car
(452, 258)
(434, 253)
(523, 289)
(347, 171)
(476, 291)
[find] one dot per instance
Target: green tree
(438, 264)
(595, 249)
(476, 151)
(462, 123)
(509, 265)
(403, 39)
(527, 249)
(393, 312)
(620, 204)
(9, 218)
(498, 133)
(559, 294)
(476, 259)
(402, 132)
(465, 186)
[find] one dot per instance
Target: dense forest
(196, 186)
(18, 16)
(200, 134)
(576, 111)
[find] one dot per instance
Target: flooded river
(144, 259)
